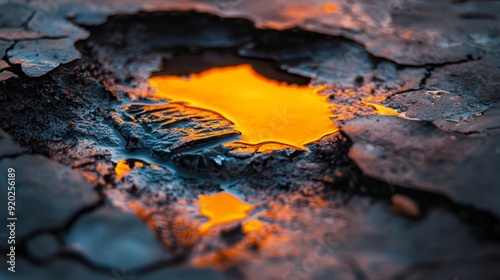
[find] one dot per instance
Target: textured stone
(113, 238)
(37, 57)
(3, 64)
(4, 45)
(51, 190)
(43, 246)
(419, 155)
(184, 273)
(385, 246)
(7, 146)
(58, 269)
(5, 75)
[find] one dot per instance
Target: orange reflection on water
(222, 208)
(263, 110)
(123, 167)
(253, 225)
(329, 8)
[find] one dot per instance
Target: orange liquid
(222, 208)
(263, 110)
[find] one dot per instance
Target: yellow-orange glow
(379, 108)
(253, 225)
(222, 208)
(329, 8)
(121, 169)
(263, 110)
(304, 11)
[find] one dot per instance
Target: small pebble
(405, 206)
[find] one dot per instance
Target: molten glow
(329, 8)
(222, 208)
(379, 109)
(121, 169)
(253, 225)
(303, 11)
(263, 110)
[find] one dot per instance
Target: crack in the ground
(12, 156)
(428, 73)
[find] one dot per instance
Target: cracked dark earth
(237, 139)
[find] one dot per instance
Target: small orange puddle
(253, 225)
(329, 8)
(263, 110)
(123, 167)
(379, 108)
(222, 208)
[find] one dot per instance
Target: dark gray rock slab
(367, 240)
(37, 57)
(418, 154)
(5, 75)
(14, 15)
(48, 194)
(58, 269)
(387, 246)
(4, 45)
(43, 247)
(7, 146)
(482, 123)
(406, 32)
(185, 273)
(453, 92)
(117, 239)
(3, 64)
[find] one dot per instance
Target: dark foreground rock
(40, 182)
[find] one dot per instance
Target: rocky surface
(110, 237)
(118, 173)
(43, 180)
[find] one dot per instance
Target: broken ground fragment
(70, 269)
(3, 65)
(4, 46)
(48, 193)
(57, 269)
(385, 31)
(184, 273)
(7, 146)
(5, 75)
(385, 245)
(453, 92)
(36, 20)
(481, 123)
(37, 57)
(14, 14)
(113, 238)
(419, 155)
(43, 247)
